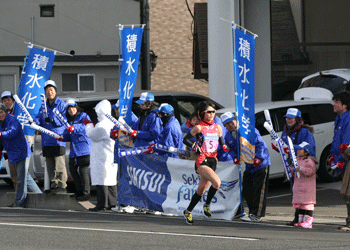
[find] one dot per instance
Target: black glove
(5, 156)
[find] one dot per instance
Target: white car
(318, 113)
(334, 80)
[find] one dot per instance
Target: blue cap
(165, 108)
(6, 94)
(227, 117)
(145, 96)
(50, 83)
(306, 146)
(293, 112)
(70, 102)
(116, 105)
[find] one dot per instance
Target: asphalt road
(53, 229)
(34, 229)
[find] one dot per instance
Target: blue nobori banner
(244, 47)
(35, 73)
(130, 48)
(167, 184)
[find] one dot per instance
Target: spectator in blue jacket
(53, 150)
(121, 138)
(297, 131)
(9, 102)
(18, 151)
(171, 135)
(341, 129)
(80, 146)
(149, 124)
(256, 175)
(340, 142)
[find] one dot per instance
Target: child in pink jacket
(304, 188)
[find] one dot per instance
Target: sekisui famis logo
(226, 186)
(190, 184)
(145, 180)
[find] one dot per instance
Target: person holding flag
(80, 146)
(120, 137)
(256, 175)
(53, 150)
(102, 167)
(149, 124)
(209, 136)
(9, 102)
(18, 150)
(171, 135)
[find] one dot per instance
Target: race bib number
(210, 143)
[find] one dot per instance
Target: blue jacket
(341, 135)
(261, 151)
(13, 140)
(186, 127)
(171, 136)
(304, 136)
(54, 125)
(80, 144)
(150, 130)
(222, 155)
(133, 125)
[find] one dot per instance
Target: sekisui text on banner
(131, 38)
(244, 47)
(35, 73)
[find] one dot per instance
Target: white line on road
(128, 231)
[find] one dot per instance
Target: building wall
(327, 21)
(171, 39)
(87, 27)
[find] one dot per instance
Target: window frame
(47, 8)
(78, 75)
(93, 83)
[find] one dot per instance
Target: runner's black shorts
(208, 161)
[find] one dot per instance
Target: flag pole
(242, 28)
(46, 48)
(237, 120)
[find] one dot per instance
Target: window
(47, 10)
(78, 82)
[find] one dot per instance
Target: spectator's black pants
(255, 187)
(106, 196)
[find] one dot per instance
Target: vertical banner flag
(35, 73)
(244, 47)
(129, 48)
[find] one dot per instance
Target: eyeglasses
(209, 111)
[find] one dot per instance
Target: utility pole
(145, 51)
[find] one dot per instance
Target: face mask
(165, 119)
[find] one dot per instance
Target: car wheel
(325, 173)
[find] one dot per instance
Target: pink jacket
(304, 188)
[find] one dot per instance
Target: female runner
(209, 135)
